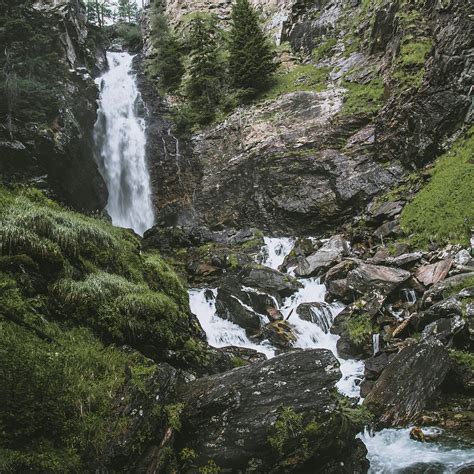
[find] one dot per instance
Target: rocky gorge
(304, 301)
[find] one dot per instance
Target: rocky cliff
(49, 102)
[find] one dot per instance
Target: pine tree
(167, 62)
(251, 59)
(203, 87)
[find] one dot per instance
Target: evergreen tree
(167, 62)
(127, 10)
(251, 59)
(203, 87)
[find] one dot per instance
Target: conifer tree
(251, 59)
(205, 72)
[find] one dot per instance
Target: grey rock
(229, 418)
(408, 382)
(318, 313)
(368, 278)
(444, 329)
(433, 273)
(333, 250)
(271, 280)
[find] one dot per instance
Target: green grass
(409, 67)
(443, 211)
(359, 328)
(363, 98)
(304, 77)
(463, 357)
(288, 425)
(323, 49)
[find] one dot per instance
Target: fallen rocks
(268, 279)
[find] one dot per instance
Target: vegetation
(463, 358)
(409, 67)
(288, 425)
(359, 328)
(363, 98)
(304, 77)
(71, 287)
(251, 58)
(443, 211)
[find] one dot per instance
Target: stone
(332, 251)
(408, 383)
(463, 257)
(375, 365)
(267, 279)
(250, 356)
(368, 279)
(433, 273)
(387, 210)
(280, 334)
(388, 229)
(230, 307)
(339, 289)
(230, 418)
(446, 330)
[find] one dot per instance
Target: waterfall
(410, 296)
(376, 343)
(119, 135)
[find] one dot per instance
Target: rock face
(255, 417)
(409, 381)
(56, 154)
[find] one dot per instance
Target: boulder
(276, 416)
(267, 279)
(230, 307)
(433, 273)
(446, 330)
(388, 229)
(368, 279)
(408, 383)
(446, 308)
(251, 356)
(437, 290)
(340, 290)
(387, 210)
(332, 251)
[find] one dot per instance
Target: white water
(376, 343)
(391, 451)
(309, 335)
(119, 135)
(275, 251)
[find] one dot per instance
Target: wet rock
(339, 289)
(431, 274)
(230, 307)
(231, 418)
(317, 313)
(443, 309)
(374, 278)
(408, 383)
(332, 251)
(340, 271)
(376, 364)
(280, 334)
(416, 433)
(266, 278)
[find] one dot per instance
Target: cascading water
(119, 135)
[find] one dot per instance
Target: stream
(390, 451)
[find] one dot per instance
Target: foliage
(288, 425)
(304, 77)
(363, 98)
(251, 58)
(323, 49)
(210, 468)
(443, 211)
(166, 64)
(463, 358)
(205, 72)
(130, 35)
(409, 67)
(359, 328)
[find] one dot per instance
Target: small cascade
(119, 135)
(275, 251)
(410, 296)
(323, 317)
(393, 451)
(376, 343)
(220, 332)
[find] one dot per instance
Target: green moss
(454, 290)
(443, 211)
(359, 328)
(239, 362)
(409, 67)
(304, 77)
(173, 415)
(363, 98)
(323, 49)
(463, 358)
(288, 425)
(210, 468)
